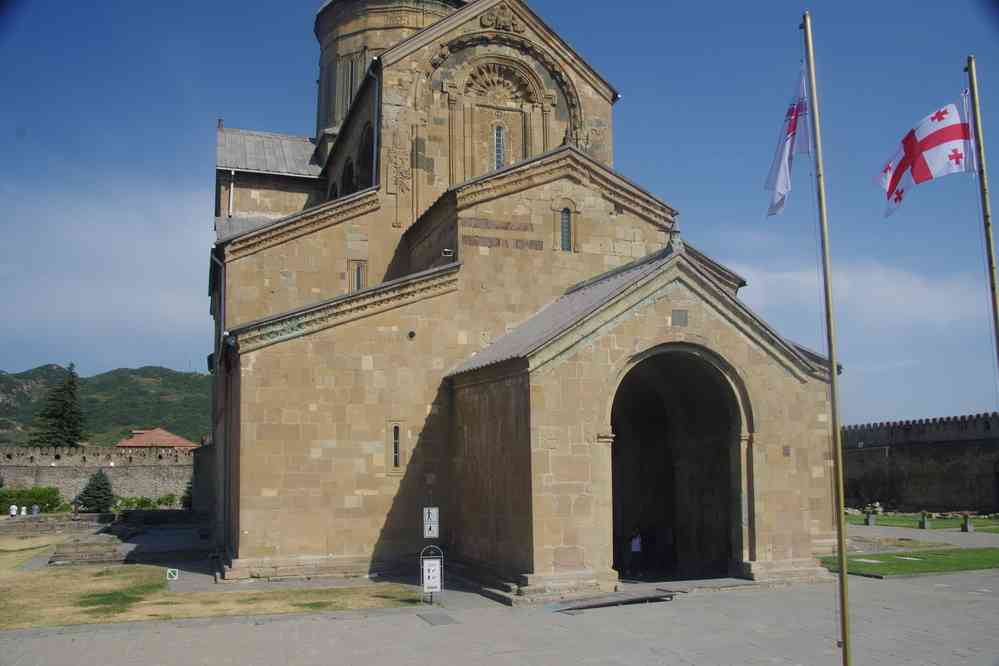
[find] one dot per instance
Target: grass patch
(314, 605)
(918, 562)
(117, 601)
(912, 520)
(15, 551)
(991, 530)
(79, 594)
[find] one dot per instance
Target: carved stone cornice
(299, 224)
(339, 311)
(569, 164)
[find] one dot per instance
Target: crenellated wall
(133, 472)
(940, 464)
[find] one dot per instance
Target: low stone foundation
(277, 568)
(805, 570)
(53, 523)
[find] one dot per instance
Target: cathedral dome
(353, 32)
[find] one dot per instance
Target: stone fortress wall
(133, 472)
(942, 464)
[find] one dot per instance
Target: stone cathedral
(448, 297)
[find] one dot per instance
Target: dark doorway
(675, 468)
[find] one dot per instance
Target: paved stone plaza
(946, 620)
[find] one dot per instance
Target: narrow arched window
(566, 229)
(500, 145)
(396, 448)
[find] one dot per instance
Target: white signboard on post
(431, 522)
(432, 575)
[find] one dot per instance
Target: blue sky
(107, 138)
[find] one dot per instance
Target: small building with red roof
(155, 438)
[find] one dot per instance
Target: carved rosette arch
(508, 37)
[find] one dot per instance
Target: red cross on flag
(793, 138)
(939, 145)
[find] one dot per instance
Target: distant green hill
(113, 403)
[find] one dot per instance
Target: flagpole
(844, 615)
(983, 184)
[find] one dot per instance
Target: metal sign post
(432, 571)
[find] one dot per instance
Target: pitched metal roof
(585, 298)
(578, 302)
(265, 152)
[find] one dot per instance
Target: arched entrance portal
(676, 467)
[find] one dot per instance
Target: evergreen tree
(187, 499)
(97, 495)
(60, 423)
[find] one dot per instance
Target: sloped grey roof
(265, 152)
(227, 228)
(578, 302)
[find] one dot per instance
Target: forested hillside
(113, 402)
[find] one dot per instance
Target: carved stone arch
(487, 75)
(742, 533)
(529, 48)
(732, 375)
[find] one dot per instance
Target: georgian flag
(793, 138)
(940, 145)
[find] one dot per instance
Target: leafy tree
(60, 423)
(187, 499)
(97, 495)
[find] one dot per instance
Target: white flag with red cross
(793, 138)
(939, 145)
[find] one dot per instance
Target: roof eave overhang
(793, 357)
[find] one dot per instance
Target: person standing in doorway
(635, 553)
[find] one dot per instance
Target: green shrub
(168, 501)
(46, 497)
(187, 499)
(97, 495)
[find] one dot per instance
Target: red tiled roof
(156, 437)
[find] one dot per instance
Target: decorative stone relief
(592, 138)
(501, 17)
(498, 83)
(529, 48)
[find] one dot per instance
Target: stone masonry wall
(134, 473)
(490, 484)
(948, 464)
(785, 454)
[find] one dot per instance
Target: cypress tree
(97, 495)
(60, 423)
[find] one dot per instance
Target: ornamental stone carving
(498, 83)
(502, 17)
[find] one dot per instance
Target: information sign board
(432, 575)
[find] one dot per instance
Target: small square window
(679, 318)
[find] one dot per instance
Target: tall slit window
(566, 230)
(396, 448)
(358, 275)
(499, 140)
